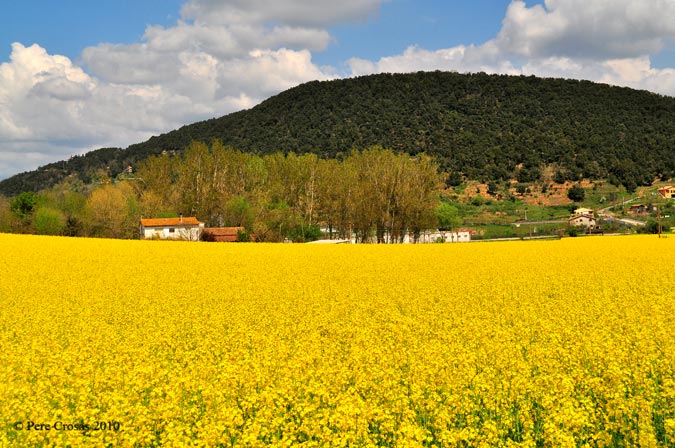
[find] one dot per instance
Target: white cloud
(35, 89)
(606, 41)
(313, 13)
(52, 108)
(598, 29)
(460, 58)
(24, 156)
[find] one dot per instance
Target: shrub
(576, 193)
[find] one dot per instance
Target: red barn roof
(223, 234)
(223, 231)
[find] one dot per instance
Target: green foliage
(576, 193)
(48, 221)
(476, 126)
(304, 233)
(493, 188)
(454, 179)
(238, 212)
(7, 217)
(651, 226)
(559, 177)
(22, 205)
(528, 175)
(448, 216)
(243, 236)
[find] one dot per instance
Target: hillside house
(581, 211)
(222, 234)
(182, 228)
(667, 192)
(585, 220)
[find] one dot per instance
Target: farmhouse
(183, 228)
(585, 220)
(667, 192)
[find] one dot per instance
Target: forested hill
(481, 126)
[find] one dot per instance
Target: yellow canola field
(150, 343)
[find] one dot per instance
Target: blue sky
(432, 24)
(79, 75)
(66, 27)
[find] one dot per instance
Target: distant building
(459, 236)
(637, 209)
(222, 234)
(581, 211)
(181, 228)
(583, 217)
(667, 192)
(428, 236)
(585, 220)
(336, 241)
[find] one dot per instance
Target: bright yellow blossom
(523, 344)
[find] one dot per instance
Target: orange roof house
(164, 222)
(667, 192)
(182, 228)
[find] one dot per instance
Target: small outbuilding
(637, 209)
(223, 234)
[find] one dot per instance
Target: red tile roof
(170, 222)
(222, 234)
(223, 231)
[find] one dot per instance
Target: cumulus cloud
(606, 41)
(460, 58)
(51, 108)
(313, 13)
(598, 29)
(34, 90)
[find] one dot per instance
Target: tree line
(372, 195)
(477, 126)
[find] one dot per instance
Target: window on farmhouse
(172, 230)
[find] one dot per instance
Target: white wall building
(582, 221)
(461, 236)
(435, 236)
(188, 228)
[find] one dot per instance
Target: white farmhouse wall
(191, 233)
